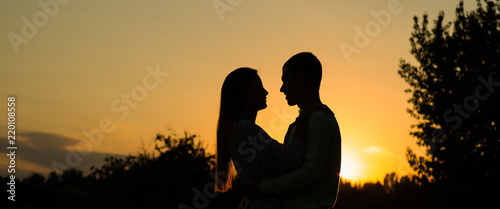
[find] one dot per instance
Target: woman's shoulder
(249, 132)
(245, 128)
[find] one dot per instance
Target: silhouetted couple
(301, 173)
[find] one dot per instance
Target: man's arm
(320, 132)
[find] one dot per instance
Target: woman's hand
(252, 190)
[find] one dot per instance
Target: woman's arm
(271, 155)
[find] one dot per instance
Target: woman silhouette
(244, 148)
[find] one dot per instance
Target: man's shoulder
(321, 115)
(324, 119)
(322, 110)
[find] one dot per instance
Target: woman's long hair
(231, 109)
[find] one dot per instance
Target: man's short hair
(307, 64)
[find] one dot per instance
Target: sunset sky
(131, 69)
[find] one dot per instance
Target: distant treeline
(180, 175)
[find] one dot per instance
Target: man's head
(301, 77)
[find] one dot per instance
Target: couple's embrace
(301, 173)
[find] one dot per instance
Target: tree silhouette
(168, 178)
(165, 180)
(455, 96)
(390, 181)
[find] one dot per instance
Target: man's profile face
(290, 86)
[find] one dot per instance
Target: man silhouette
(315, 184)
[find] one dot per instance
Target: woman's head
(241, 92)
(255, 96)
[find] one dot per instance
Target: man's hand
(252, 190)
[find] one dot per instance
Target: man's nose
(282, 89)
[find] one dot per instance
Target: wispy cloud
(40, 149)
(375, 150)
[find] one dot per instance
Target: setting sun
(350, 168)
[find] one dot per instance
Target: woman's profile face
(256, 95)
